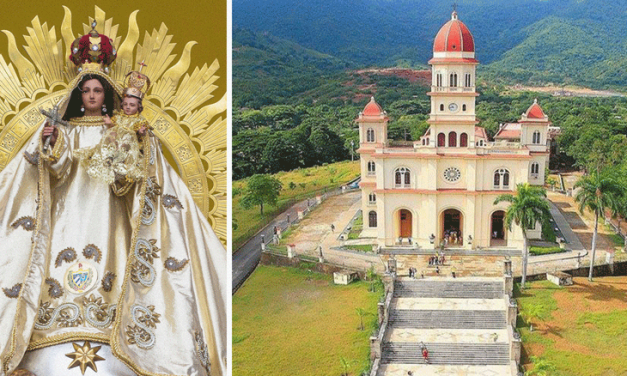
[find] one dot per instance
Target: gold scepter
(53, 118)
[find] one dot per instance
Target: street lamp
(352, 147)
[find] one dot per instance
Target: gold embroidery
(14, 291)
(84, 357)
(58, 148)
(27, 223)
(170, 201)
(91, 251)
(97, 312)
(67, 337)
(202, 352)
(107, 281)
(87, 121)
(140, 333)
(55, 290)
(174, 265)
(67, 255)
(142, 270)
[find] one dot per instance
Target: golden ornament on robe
(84, 357)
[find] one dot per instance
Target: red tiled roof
(454, 36)
(535, 111)
(509, 131)
(481, 133)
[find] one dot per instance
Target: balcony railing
(452, 89)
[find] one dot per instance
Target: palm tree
(598, 192)
(528, 206)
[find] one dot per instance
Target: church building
(440, 190)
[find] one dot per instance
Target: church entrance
(405, 218)
(497, 229)
(452, 222)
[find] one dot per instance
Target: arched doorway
(405, 223)
(452, 223)
(497, 229)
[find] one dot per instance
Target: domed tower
(453, 86)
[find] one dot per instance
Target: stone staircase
(462, 322)
(447, 353)
(459, 288)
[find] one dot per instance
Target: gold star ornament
(84, 356)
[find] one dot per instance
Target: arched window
(501, 179)
(372, 219)
(441, 139)
(372, 198)
(453, 81)
(467, 80)
(463, 140)
(480, 143)
(536, 137)
(402, 177)
(438, 80)
(535, 169)
(370, 135)
(441, 107)
(463, 107)
(371, 168)
(452, 139)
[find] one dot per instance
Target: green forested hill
(524, 41)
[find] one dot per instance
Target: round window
(452, 174)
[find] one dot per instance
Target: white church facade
(440, 191)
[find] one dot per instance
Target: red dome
(454, 36)
(372, 108)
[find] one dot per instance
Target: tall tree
(598, 193)
(260, 190)
(527, 207)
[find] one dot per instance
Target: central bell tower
(453, 91)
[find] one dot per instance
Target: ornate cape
(141, 271)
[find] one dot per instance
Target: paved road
(245, 260)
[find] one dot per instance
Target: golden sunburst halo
(84, 356)
(180, 106)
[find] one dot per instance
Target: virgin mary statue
(124, 278)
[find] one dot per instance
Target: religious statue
(123, 274)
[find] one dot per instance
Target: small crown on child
(93, 51)
(136, 83)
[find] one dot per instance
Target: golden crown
(136, 83)
(93, 51)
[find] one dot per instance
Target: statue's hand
(107, 121)
(142, 131)
(51, 131)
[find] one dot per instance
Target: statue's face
(130, 105)
(93, 96)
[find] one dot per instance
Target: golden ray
(191, 94)
(198, 121)
(165, 88)
(124, 61)
(31, 80)
(45, 51)
(155, 52)
(10, 87)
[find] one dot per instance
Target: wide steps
(447, 319)
(447, 353)
(448, 289)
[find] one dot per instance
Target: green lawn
(578, 330)
(545, 250)
(289, 321)
(306, 183)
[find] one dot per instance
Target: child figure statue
(117, 157)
